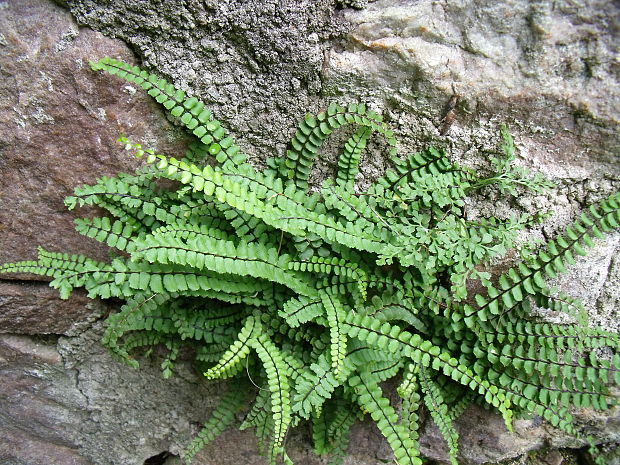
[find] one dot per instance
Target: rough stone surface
(256, 63)
(548, 69)
(58, 125)
(486, 437)
(596, 280)
(34, 308)
(486, 440)
(65, 401)
(32, 422)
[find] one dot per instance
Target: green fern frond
(221, 418)
(331, 431)
(206, 253)
(316, 385)
(313, 132)
(319, 297)
(228, 365)
(338, 340)
(434, 401)
(414, 168)
(297, 311)
(459, 407)
(529, 278)
(409, 392)
(190, 111)
(278, 386)
(348, 162)
(124, 321)
(371, 399)
(117, 234)
(394, 307)
(338, 267)
(553, 336)
(393, 339)
(260, 408)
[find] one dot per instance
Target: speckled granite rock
(547, 69)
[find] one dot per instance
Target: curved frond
(221, 418)
(229, 363)
(371, 399)
(433, 399)
(278, 386)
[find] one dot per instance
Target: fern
(330, 431)
(370, 397)
(409, 391)
(315, 386)
(529, 278)
(221, 417)
(280, 391)
(319, 297)
(436, 405)
(230, 362)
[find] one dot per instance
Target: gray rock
(33, 424)
(67, 402)
(548, 70)
(256, 63)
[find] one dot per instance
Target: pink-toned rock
(34, 308)
(59, 122)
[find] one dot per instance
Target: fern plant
(311, 299)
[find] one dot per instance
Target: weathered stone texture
(33, 424)
(256, 63)
(34, 308)
(67, 402)
(58, 125)
(548, 69)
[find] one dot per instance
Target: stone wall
(547, 69)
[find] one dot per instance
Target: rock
(596, 279)
(546, 69)
(256, 63)
(59, 125)
(66, 400)
(34, 308)
(490, 50)
(33, 425)
(483, 437)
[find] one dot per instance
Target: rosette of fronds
(318, 296)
